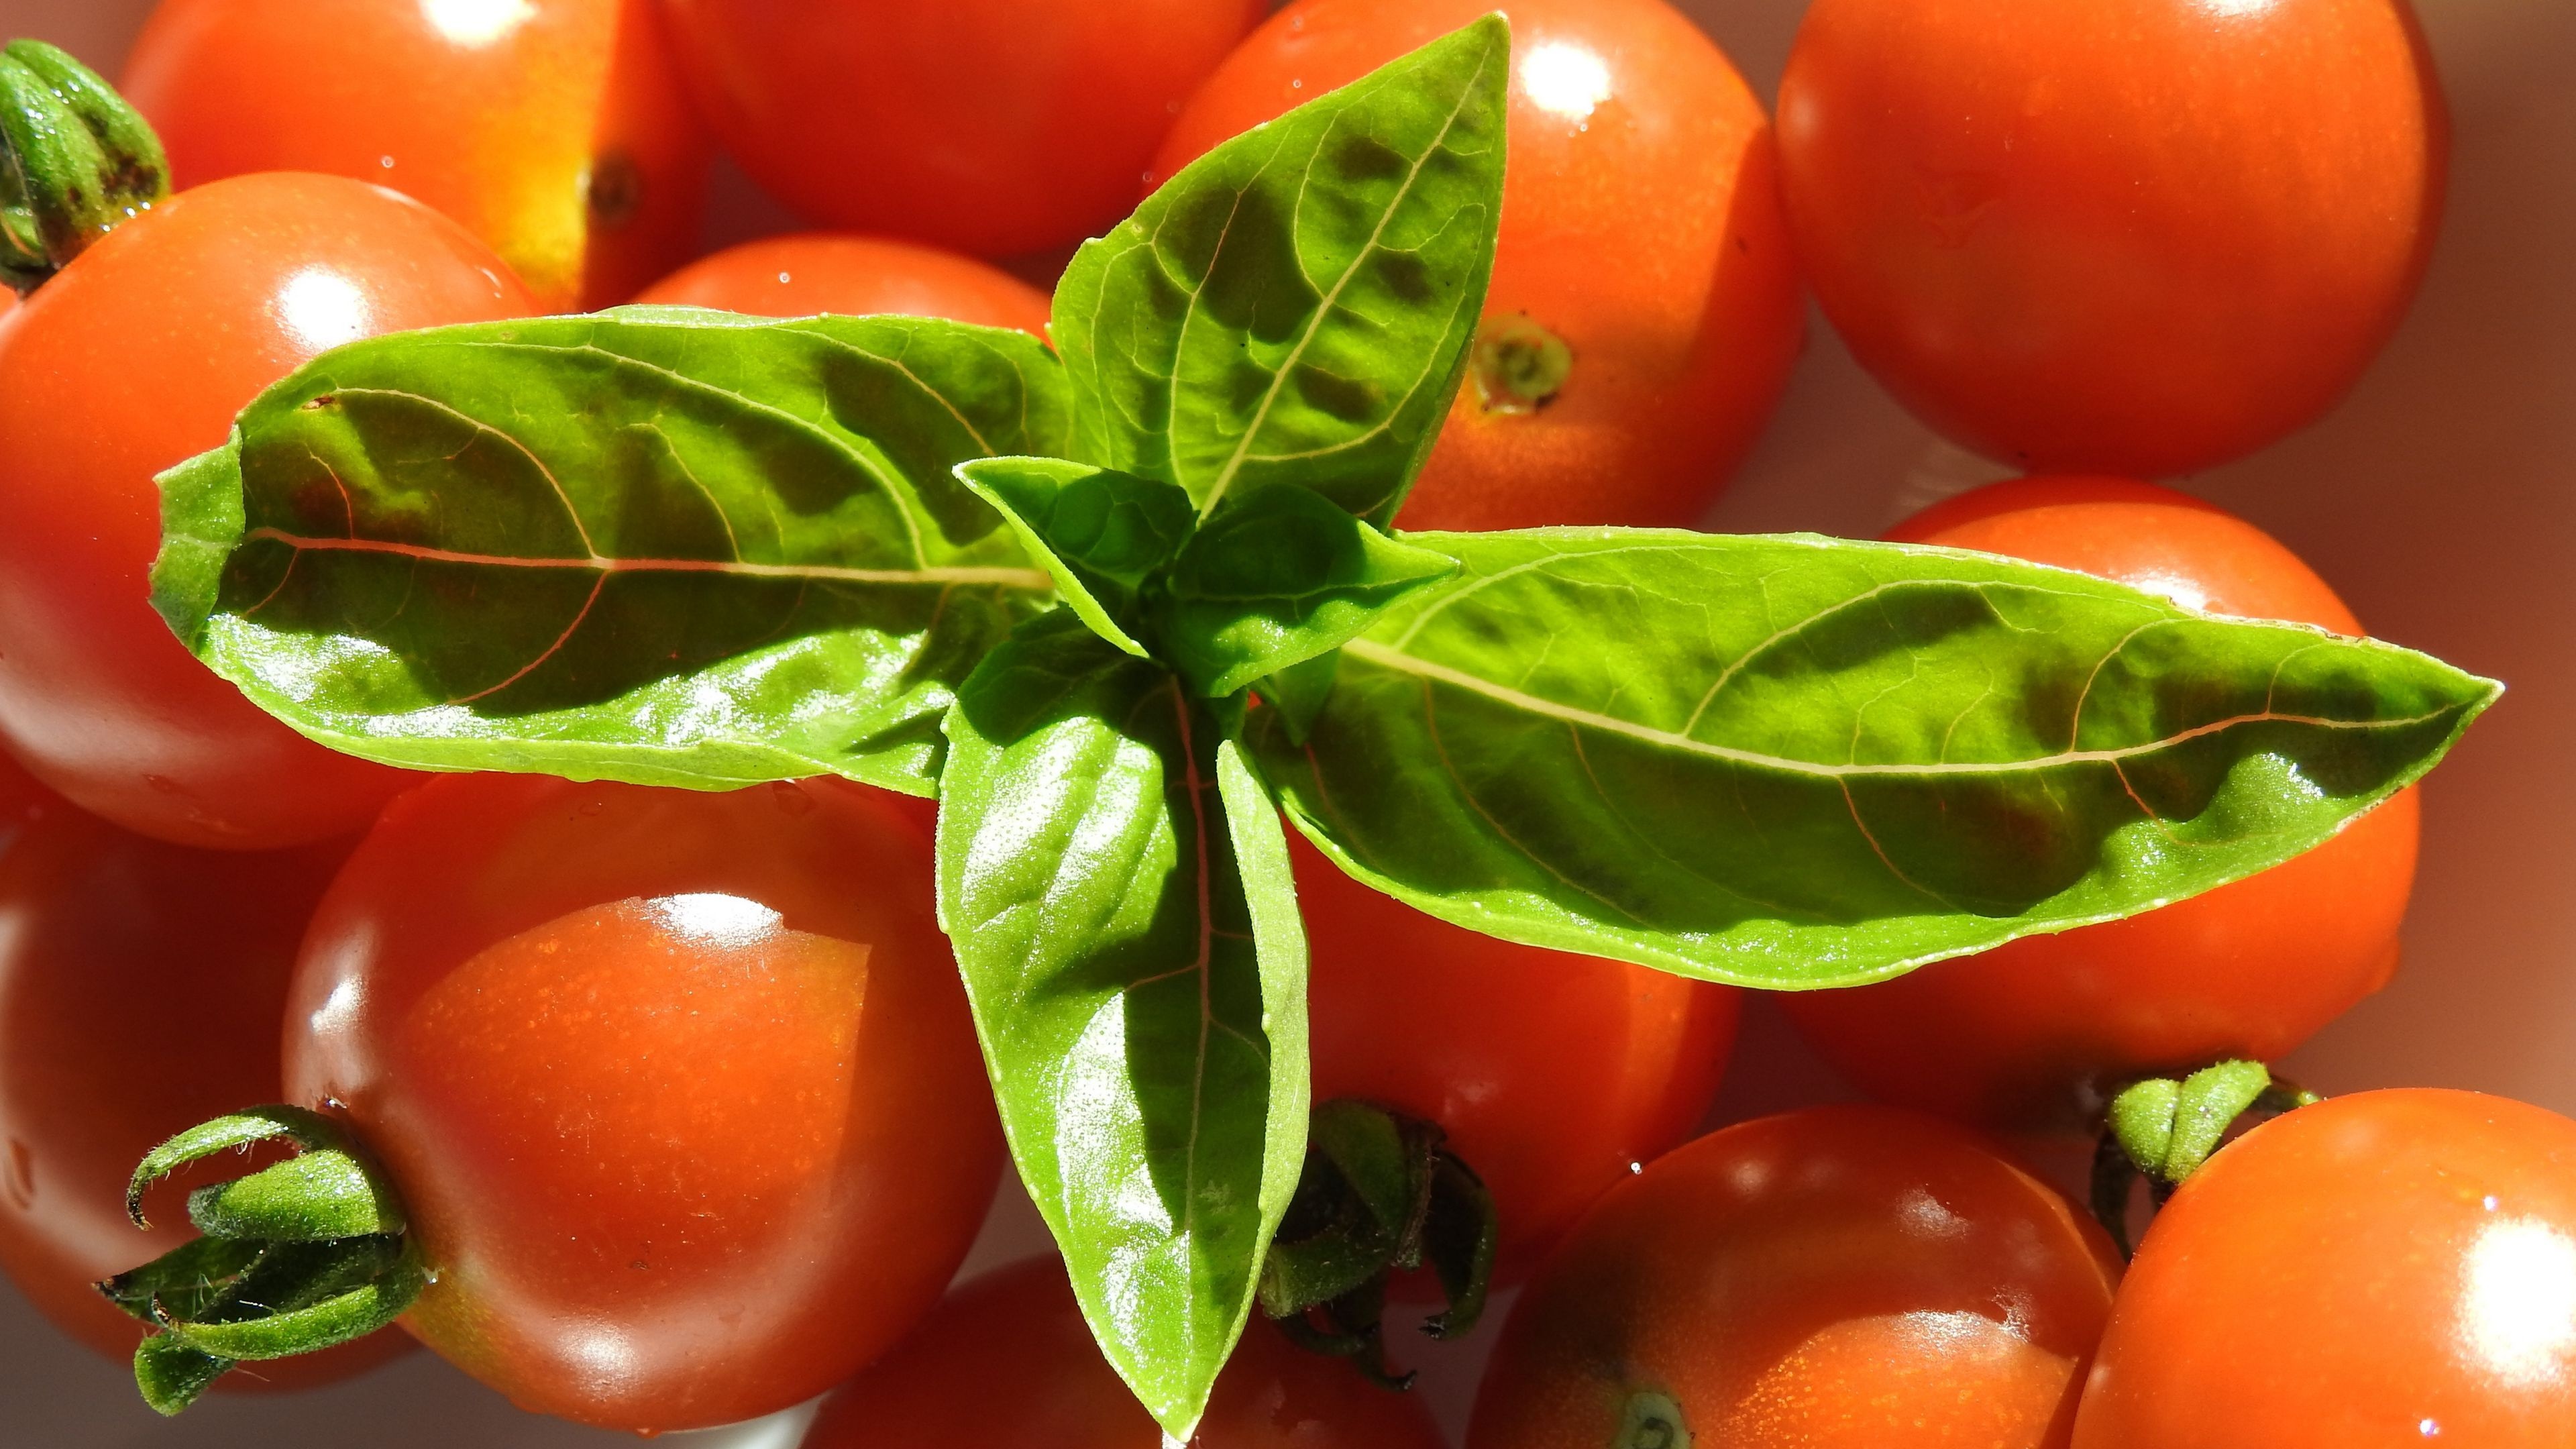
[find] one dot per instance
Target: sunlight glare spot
(2518, 1307)
(1565, 79)
(718, 920)
(323, 309)
(476, 22)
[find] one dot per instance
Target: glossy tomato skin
(140, 989)
(679, 1089)
(1552, 1074)
(2389, 1268)
(1007, 1363)
(2032, 1033)
(136, 358)
(555, 130)
(1837, 1278)
(2136, 236)
(996, 127)
(1641, 225)
(853, 276)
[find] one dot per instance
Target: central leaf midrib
(1385, 657)
(1032, 580)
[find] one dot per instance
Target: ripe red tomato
(679, 1089)
(1553, 1074)
(992, 126)
(141, 987)
(1010, 1356)
(2390, 1268)
(853, 276)
(555, 130)
(2030, 1033)
(1838, 1278)
(133, 359)
(2140, 236)
(1640, 229)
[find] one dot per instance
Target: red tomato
(133, 359)
(2142, 236)
(679, 1089)
(992, 126)
(1838, 1278)
(1640, 228)
(1553, 1074)
(2390, 1268)
(553, 129)
(1007, 1363)
(853, 276)
(2030, 1033)
(141, 987)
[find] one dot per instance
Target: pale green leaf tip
(202, 521)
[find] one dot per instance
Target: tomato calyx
(76, 162)
(1519, 366)
(1380, 1194)
(299, 1256)
(2162, 1130)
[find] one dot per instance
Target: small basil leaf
(1799, 762)
(1279, 579)
(1117, 888)
(660, 545)
(1099, 533)
(1296, 306)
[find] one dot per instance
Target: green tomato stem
(76, 162)
(2163, 1130)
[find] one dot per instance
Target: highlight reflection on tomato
(853, 276)
(2034, 1032)
(555, 130)
(2384, 1269)
(141, 987)
(1641, 230)
(678, 1089)
(1837, 1278)
(132, 360)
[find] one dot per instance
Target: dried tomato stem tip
(1379, 1194)
(76, 162)
(297, 1257)
(2163, 1129)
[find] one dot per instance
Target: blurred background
(2439, 499)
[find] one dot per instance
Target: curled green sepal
(76, 162)
(1380, 1194)
(302, 1255)
(2163, 1130)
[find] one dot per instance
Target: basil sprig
(682, 548)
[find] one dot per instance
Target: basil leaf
(1295, 307)
(1117, 888)
(1798, 762)
(658, 545)
(1101, 534)
(1277, 580)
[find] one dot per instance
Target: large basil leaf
(1798, 762)
(658, 545)
(1296, 306)
(1117, 887)
(1277, 580)
(1101, 534)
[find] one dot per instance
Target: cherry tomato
(1644, 295)
(679, 1089)
(853, 276)
(135, 358)
(2140, 236)
(1838, 1278)
(1553, 1074)
(2030, 1033)
(2389, 1268)
(141, 985)
(992, 126)
(1007, 1363)
(555, 130)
